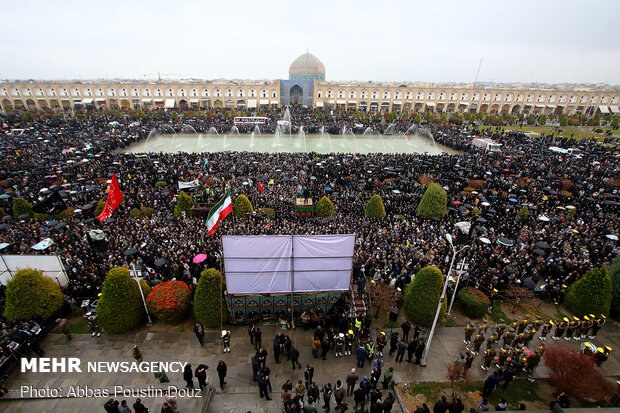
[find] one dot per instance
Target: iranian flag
(219, 212)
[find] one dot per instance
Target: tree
(542, 119)
(160, 184)
(434, 202)
(524, 214)
(383, 298)
(591, 294)
(99, 208)
(209, 305)
(417, 119)
(614, 275)
(184, 204)
(576, 374)
(21, 206)
(522, 298)
(120, 307)
(375, 207)
(324, 208)
(422, 296)
(242, 207)
(454, 372)
(30, 292)
(512, 120)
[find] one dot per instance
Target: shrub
(184, 204)
(99, 208)
(135, 213)
(40, 217)
(324, 208)
(242, 206)
(209, 305)
(30, 292)
(434, 202)
(591, 294)
(160, 184)
(120, 306)
(523, 214)
(576, 374)
(475, 303)
(143, 212)
(422, 296)
(614, 275)
(375, 207)
(169, 301)
(269, 212)
(21, 206)
(65, 214)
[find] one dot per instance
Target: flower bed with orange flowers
(169, 301)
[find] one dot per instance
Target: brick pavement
(241, 393)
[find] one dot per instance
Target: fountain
(415, 130)
(174, 133)
(301, 134)
(188, 129)
(276, 137)
(348, 132)
(151, 133)
(252, 140)
(234, 130)
(213, 131)
(256, 130)
(389, 130)
(373, 132)
(286, 127)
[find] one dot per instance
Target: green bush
(160, 184)
(591, 294)
(30, 292)
(66, 214)
(375, 207)
(209, 303)
(475, 303)
(422, 296)
(21, 206)
(324, 208)
(99, 208)
(242, 206)
(120, 307)
(184, 204)
(169, 301)
(2, 212)
(269, 212)
(135, 213)
(614, 275)
(143, 212)
(434, 202)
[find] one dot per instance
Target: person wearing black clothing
(262, 386)
(327, 395)
(400, 350)
(294, 356)
(416, 332)
(376, 407)
(419, 351)
(393, 341)
(258, 338)
(255, 368)
(251, 331)
(261, 357)
(313, 391)
(406, 326)
(276, 350)
(441, 406)
(111, 406)
(456, 406)
(342, 324)
(324, 348)
(222, 369)
(375, 395)
(423, 409)
(265, 372)
(308, 375)
(138, 407)
(199, 330)
(359, 397)
(509, 375)
(188, 376)
(411, 347)
(388, 402)
(201, 375)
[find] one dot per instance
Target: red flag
(114, 199)
(260, 187)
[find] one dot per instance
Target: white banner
(50, 265)
(266, 264)
(186, 185)
(46, 243)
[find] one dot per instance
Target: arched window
(111, 91)
(386, 94)
(341, 94)
(228, 92)
(319, 94)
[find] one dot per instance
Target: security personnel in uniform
(545, 330)
(381, 343)
(560, 328)
(469, 331)
(509, 337)
(597, 324)
(478, 342)
(585, 326)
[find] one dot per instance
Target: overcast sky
(381, 40)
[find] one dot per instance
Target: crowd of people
(570, 225)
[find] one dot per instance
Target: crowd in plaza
(572, 199)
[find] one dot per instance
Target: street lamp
(441, 300)
(137, 279)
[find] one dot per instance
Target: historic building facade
(307, 86)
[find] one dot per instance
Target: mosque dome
(307, 67)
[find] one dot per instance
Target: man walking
(263, 386)
(64, 328)
(294, 356)
(400, 350)
(351, 380)
(222, 369)
(199, 330)
(308, 374)
(361, 354)
(226, 340)
(188, 376)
